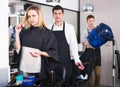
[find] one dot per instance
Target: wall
(4, 75)
(69, 16)
(65, 3)
(4, 65)
(106, 11)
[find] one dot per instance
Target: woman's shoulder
(48, 32)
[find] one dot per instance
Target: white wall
(4, 34)
(69, 16)
(73, 5)
(106, 11)
(4, 65)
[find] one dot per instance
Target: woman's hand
(17, 40)
(35, 54)
(39, 53)
(87, 45)
(18, 28)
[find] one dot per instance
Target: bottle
(19, 79)
(52, 77)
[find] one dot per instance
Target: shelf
(13, 71)
(12, 15)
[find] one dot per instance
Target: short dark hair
(90, 16)
(58, 7)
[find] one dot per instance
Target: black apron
(97, 53)
(63, 50)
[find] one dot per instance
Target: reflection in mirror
(14, 18)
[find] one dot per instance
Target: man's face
(91, 22)
(58, 15)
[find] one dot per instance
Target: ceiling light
(88, 8)
(53, 1)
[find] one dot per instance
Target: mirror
(70, 16)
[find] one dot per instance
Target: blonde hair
(39, 12)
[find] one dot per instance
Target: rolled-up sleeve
(73, 45)
(84, 35)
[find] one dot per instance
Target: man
(96, 52)
(67, 43)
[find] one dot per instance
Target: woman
(35, 36)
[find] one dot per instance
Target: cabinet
(14, 19)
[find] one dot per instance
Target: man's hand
(80, 65)
(86, 43)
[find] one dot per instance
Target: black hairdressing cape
(44, 40)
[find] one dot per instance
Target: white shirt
(84, 35)
(71, 39)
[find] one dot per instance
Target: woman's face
(33, 18)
